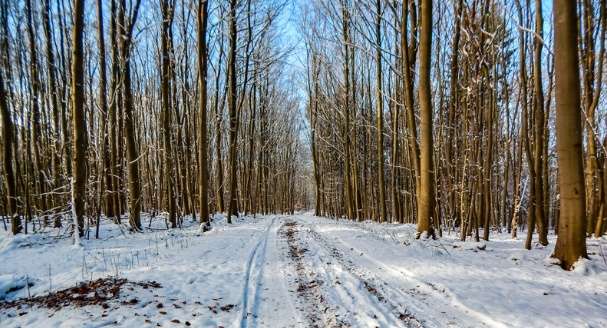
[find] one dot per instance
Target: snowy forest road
(338, 273)
(293, 274)
(340, 285)
(299, 271)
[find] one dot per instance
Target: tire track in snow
(374, 287)
(255, 263)
(313, 301)
(414, 296)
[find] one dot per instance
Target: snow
(10, 283)
(301, 271)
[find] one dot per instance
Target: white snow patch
(586, 267)
(208, 278)
(10, 283)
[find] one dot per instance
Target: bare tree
(425, 196)
(232, 96)
(132, 153)
(203, 175)
(571, 242)
(167, 22)
(80, 142)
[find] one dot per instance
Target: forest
(194, 152)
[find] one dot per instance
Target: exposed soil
(371, 284)
(316, 309)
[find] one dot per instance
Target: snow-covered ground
(302, 271)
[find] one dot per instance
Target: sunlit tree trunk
(571, 242)
(538, 155)
(380, 115)
(425, 195)
(408, 93)
(79, 132)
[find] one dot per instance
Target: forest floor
(293, 271)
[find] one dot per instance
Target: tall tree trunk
(540, 215)
(132, 153)
(36, 126)
(571, 242)
(525, 129)
(600, 223)
(453, 106)
(7, 160)
(78, 120)
(114, 107)
(233, 204)
(203, 174)
(167, 21)
(347, 108)
(52, 81)
(407, 72)
(218, 112)
(106, 177)
(592, 80)
(380, 115)
(425, 196)
(313, 112)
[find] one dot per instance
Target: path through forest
(329, 282)
(302, 271)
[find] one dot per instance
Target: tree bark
(571, 242)
(167, 21)
(425, 196)
(380, 115)
(79, 132)
(7, 160)
(56, 109)
(36, 126)
(134, 188)
(408, 93)
(540, 214)
(203, 174)
(347, 108)
(233, 203)
(107, 178)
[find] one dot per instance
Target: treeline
(113, 108)
(455, 133)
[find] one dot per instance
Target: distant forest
(464, 116)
